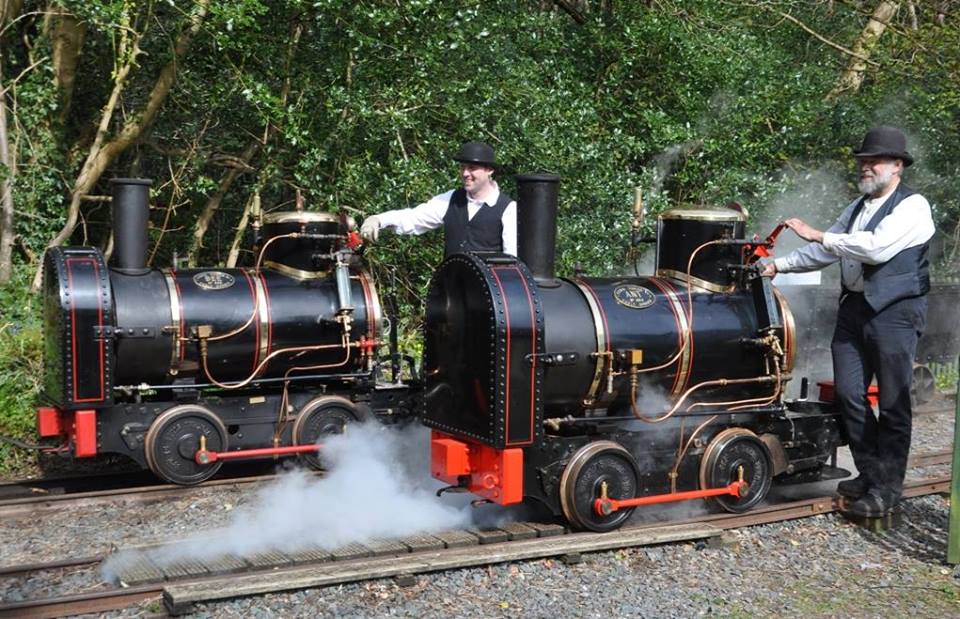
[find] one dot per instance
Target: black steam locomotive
(595, 396)
(183, 369)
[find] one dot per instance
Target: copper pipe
(282, 416)
(256, 294)
(720, 382)
(687, 333)
(683, 452)
(246, 381)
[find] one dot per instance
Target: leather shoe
(853, 488)
(870, 505)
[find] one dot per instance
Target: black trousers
(868, 344)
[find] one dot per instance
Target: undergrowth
(21, 368)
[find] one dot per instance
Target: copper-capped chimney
(537, 224)
(131, 215)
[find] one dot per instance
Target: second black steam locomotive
(595, 396)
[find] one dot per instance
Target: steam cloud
(378, 486)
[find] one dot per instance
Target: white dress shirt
(909, 224)
(429, 215)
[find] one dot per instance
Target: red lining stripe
(506, 311)
(533, 365)
(73, 327)
(689, 314)
(662, 285)
(176, 285)
(256, 321)
(603, 315)
(266, 294)
(368, 300)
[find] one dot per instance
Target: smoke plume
(378, 486)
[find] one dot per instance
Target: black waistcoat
(905, 275)
(482, 233)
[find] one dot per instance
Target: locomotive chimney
(537, 224)
(131, 212)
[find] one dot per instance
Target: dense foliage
(359, 104)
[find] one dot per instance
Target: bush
(21, 367)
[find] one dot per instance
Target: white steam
(378, 486)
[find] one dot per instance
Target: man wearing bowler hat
(881, 241)
(476, 217)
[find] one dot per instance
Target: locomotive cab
(594, 396)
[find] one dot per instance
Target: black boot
(871, 505)
(853, 488)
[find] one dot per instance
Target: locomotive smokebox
(537, 224)
(131, 212)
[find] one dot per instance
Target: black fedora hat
(885, 142)
(476, 152)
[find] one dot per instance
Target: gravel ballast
(820, 566)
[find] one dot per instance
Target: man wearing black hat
(881, 241)
(476, 217)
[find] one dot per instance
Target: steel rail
(103, 601)
(22, 506)
(81, 603)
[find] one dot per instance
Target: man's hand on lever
(804, 231)
(370, 230)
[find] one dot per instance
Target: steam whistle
(638, 216)
(256, 214)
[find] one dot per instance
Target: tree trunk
(9, 10)
(102, 155)
(268, 132)
(852, 77)
(213, 204)
(7, 231)
(234, 254)
(67, 35)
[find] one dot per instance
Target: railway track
(42, 488)
(404, 558)
(40, 502)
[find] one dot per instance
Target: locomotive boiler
(594, 396)
(181, 369)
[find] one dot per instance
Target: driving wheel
(730, 451)
(583, 479)
(174, 438)
(321, 417)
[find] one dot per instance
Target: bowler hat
(476, 152)
(885, 142)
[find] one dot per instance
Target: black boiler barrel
(131, 212)
(537, 224)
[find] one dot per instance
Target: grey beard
(870, 186)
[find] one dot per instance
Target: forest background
(358, 106)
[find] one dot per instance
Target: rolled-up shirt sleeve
(910, 223)
(419, 219)
(509, 220)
